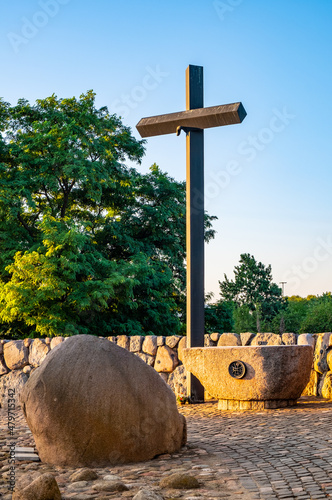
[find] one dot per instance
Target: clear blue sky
(269, 179)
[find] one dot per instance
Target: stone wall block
(166, 359)
(3, 367)
(266, 339)
(149, 360)
(14, 380)
(181, 345)
(136, 342)
(123, 341)
(16, 355)
(112, 339)
(56, 341)
(326, 386)
(306, 339)
(215, 336)
(320, 354)
(246, 338)
(172, 341)
(38, 352)
(27, 342)
(160, 340)
(208, 342)
(312, 386)
(229, 339)
(150, 345)
(177, 381)
(289, 338)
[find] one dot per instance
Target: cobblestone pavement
(276, 454)
(244, 455)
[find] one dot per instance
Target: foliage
(219, 317)
(86, 243)
(254, 288)
(244, 319)
(319, 316)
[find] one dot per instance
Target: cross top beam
(214, 116)
(193, 121)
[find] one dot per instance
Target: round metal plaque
(237, 369)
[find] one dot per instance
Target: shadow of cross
(193, 121)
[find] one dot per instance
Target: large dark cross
(192, 122)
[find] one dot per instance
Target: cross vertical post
(195, 226)
(193, 121)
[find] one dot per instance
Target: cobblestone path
(243, 455)
(276, 454)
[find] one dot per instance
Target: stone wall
(18, 358)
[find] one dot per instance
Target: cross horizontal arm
(214, 116)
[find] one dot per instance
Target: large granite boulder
(93, 403)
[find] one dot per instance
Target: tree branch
(25, 225)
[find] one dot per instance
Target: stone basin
(251, 377)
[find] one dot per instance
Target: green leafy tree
(293, 314)
(86, 243)
(319, 315)
(219, 317)
(253, 287)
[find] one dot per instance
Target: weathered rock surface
(311, 388)
(208, 342)
(16, 355)
(326, 390)
(126, 413)
(3, 367)
(178, 381)
(289, 338)
(329, 359)
(179, 480)
(44, 487)
(166, 359)
(38, 352)
(246, 337)
(229, 339)
(181, 345)
(272, 372)
(150, 345)
(110, 486)
(56, 341)
(148, 495)
(123, 341)
(15, 381)
(27, 369)
(172, 341)
(149, 360)
(84, 475)
(266, 339)
(135, 344)
(164, 376)
(215, 336)
(306, 339)
(320, 355)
